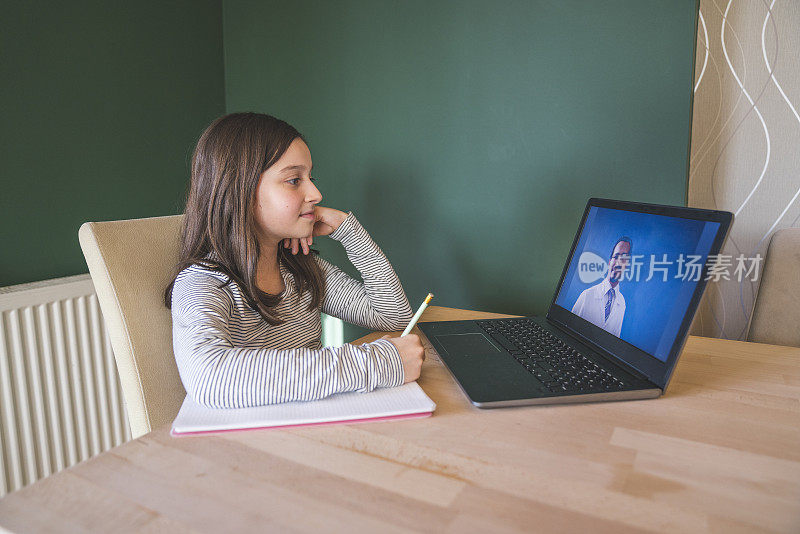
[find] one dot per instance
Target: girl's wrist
(339, 219)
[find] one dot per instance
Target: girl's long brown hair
(227, 164)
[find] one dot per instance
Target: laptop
(618, 320)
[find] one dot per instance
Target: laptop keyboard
(554, 363)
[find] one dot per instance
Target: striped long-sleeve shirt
(229, 357)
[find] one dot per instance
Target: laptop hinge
(609, 356)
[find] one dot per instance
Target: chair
(776, 311)
(131, 262)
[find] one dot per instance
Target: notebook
(381, 404)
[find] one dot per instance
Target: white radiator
(60, 396)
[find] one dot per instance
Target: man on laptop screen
(603, 303)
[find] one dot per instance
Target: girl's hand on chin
(326, 221)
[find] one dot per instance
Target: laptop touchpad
(466, 344)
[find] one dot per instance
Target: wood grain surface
(720, 452)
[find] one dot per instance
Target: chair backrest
(776, 312)
(131, 262)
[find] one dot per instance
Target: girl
(246, 303)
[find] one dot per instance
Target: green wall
(467, 135)
(101, 103)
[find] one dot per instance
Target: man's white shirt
(591, 305)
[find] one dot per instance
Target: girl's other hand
(326, 221)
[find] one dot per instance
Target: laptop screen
(634, 275)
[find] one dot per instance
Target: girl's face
(284, 193)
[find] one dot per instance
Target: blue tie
(609, 300)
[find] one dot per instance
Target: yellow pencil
(417, 315)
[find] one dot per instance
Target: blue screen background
(654, 309)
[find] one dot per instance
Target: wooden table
(719, 452)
